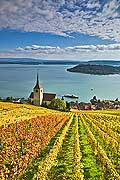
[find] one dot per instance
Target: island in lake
(95, 69)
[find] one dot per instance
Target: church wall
(38, 96)
(41, 95)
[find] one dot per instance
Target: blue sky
(61, 29)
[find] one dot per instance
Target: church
(37, 96)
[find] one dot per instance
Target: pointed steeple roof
(37, 86)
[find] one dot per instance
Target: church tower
(37, 93)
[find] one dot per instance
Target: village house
(38, 97)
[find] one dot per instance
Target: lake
(19, 80)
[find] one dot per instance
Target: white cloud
(82, 52)
(93, 4)
(19, 49)
(58, 16)
(115, 47)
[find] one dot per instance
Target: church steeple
(37, 82)
(37, 86)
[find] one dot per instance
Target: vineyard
(41, 144)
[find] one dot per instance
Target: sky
(60, 29)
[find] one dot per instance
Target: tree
(93, 100)
(44, 104)
(68, 106)
(58, 104)
(9, 99)
(116, 100)
(99, 101)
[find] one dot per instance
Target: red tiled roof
(48, 96)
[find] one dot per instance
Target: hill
(95, 69)
(30, 61)
(38, 143)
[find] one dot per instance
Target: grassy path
(63, 167)
(92, 169)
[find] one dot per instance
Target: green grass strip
(64, 164)
(92, 170)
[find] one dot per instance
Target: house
(37, 97)
(48, 97)
(84, 106)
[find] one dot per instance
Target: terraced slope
(41, 144)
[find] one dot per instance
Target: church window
(36, 90)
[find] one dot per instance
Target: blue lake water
(19, 80)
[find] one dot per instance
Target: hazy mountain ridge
(31, 61)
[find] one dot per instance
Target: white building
(37, 97)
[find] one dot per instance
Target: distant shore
(29, 61)
(95, 69)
